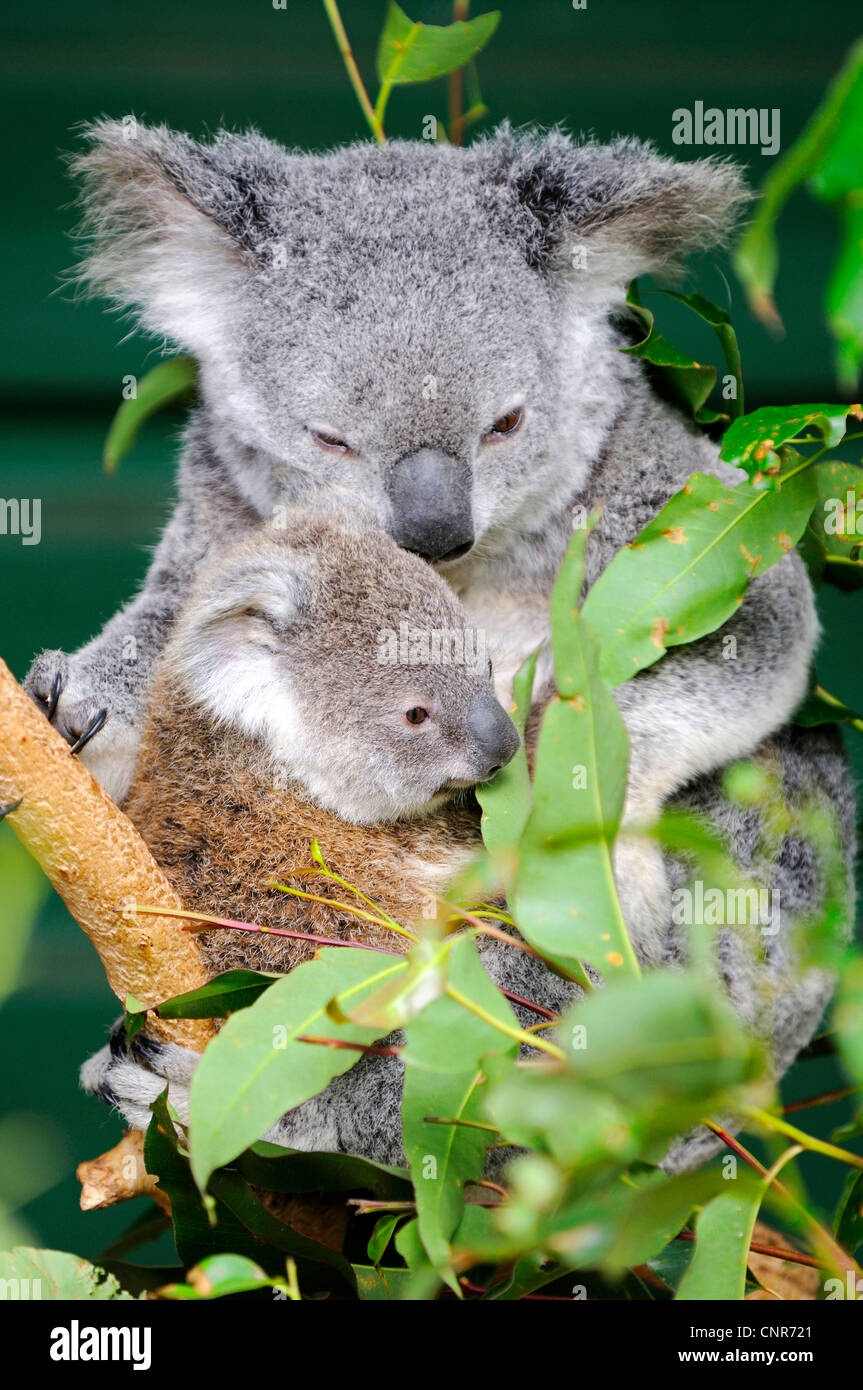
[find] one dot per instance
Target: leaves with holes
(688, 571)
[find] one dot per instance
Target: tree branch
(98, 863)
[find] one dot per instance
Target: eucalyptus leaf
(752, 442)
(723, 1232)
(832, 544)
(413, 52)
(219, 997)
(57, 1276)
(687, 572)
(442, 1157)
(169, 383)
(565, 899)
(506, 800)
(256, 1067)
(848, 1221)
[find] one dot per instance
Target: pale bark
(98, 863)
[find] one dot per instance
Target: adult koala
(428, 333)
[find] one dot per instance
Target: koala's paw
(131, 1078)
(76, 715)
(100, 726)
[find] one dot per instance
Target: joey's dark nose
(494, 733)
(430, 496)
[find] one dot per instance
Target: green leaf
(723, 1231)
(235, 1196)
(506, 800)
(848, 1017)
(219, 997)
(612, 1228)
(382, 1235)
(378, 1285)
(720, 321)
(848, 1221)
(239, 1224)
(827, 154)
(686, 573)
(655, 1214)
(220, 1276)
(135, 1016)
(25, 889)
(56, 1275)
(446, 1036)
(832, 544)
(845, 296)
(583, 1130)
(418, 979)
(444, 1047)
(565, 899)
(424, 1279)
(752, 442)
(413, 52)
(256, 1067)
(667, 1048)
(287, 1170)
(820, 707)
(442, 1157)
(687, 382)
(168, 383)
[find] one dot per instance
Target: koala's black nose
(494, 732)
(430, 496)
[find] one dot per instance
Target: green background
(620, 66)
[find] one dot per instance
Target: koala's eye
(506, 424)
(417, 715)
(330, 443)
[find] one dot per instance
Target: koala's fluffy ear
(241, 611)
(171, 224)
(605, 213)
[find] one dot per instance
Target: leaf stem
(835, 1256)
(519, 1034)
(460, 11)
(353, 71)
(265, 931)
(345, 907)
(806, 1141)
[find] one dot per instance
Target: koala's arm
(706, 704)
(359, 1112)
(111, 672)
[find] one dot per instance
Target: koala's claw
(54, 700)
(13, 806)
(50, 684)
(92, 728)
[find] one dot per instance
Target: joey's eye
(506, 424)
(417, 715)
(331, 443)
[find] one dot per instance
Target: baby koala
(320, 683)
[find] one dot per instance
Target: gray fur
(404, 298)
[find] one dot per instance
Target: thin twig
(456, 83)
(350, 62)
